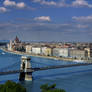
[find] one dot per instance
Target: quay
(43, 56)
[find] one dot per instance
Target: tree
(51, 88)
(10, 86)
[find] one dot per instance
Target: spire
(16, 40)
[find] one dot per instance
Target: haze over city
(46, 20)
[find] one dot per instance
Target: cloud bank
(62, 3)
(14, 4)
(43, 18)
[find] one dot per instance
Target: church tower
(16, 40)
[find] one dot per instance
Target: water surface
(74, 79)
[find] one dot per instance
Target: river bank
(42, 56)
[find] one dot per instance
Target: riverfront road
(30, 70)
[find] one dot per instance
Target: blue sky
(46, 20)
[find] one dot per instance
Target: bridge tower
(26, 73)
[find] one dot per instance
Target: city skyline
(46, 20)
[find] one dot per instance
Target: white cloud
(13, 3)
(9, 3)
(20, 5)
(62, 3)
(3, 9)
(43, 18)
(82, 18)
(48, 3)
(81, 3)
(37, 1)
(44, 2)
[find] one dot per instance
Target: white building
(28, 48)
(61, 52)
(64, 52)
(36, 50)
(10, 46)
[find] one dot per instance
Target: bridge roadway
(44, 68)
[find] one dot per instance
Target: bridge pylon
(25, 68)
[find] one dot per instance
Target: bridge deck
(10, 72)
(45, 68)
(62, 66)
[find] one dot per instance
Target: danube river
(75, 79)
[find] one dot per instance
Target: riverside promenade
(43, 56)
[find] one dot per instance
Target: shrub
(11, 86)
(51, 88)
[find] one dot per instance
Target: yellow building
(46, 51)
(87, 52)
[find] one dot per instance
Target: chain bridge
(27, 68)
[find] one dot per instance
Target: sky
(46, 20)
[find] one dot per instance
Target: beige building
(75, 53)
(87, 52)
(28, 48)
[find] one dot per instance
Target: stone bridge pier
(25, 67)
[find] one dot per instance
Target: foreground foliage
(46, 88)
(10, 86)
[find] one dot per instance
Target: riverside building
(87, 50)
(28, 48)
(10, 46)
(16, 45)
(61, 52)
(36, 50)
(77, 54)
(46, 51)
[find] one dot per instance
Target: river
(75, 79)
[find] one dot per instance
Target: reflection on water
(74, 79)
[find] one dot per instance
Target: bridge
(26, 69)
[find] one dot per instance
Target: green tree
(51, 88)
(10, 86)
